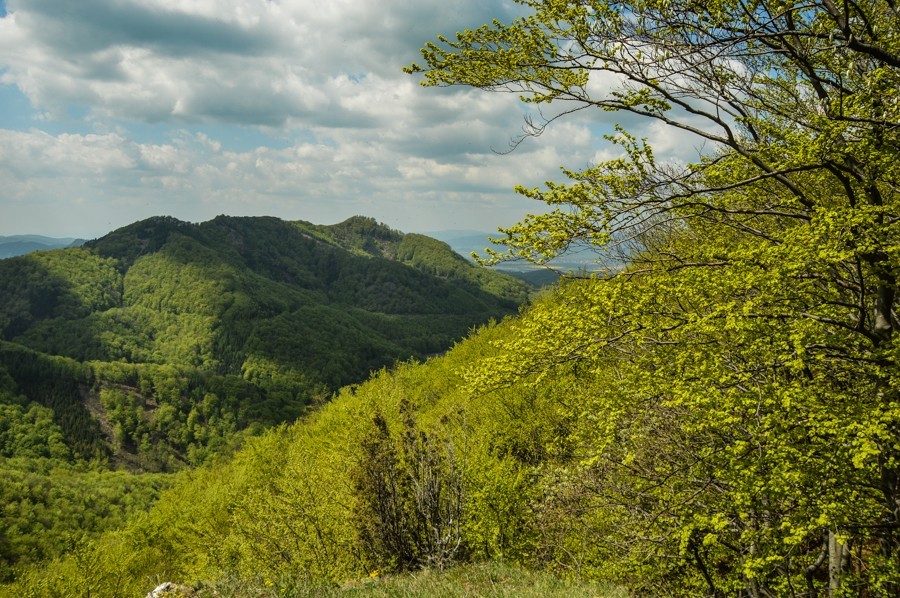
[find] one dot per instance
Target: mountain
(464, 242)
(161, 342)
(467, 242)
(14, 245)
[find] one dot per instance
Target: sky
(112, 111)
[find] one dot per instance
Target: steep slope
(529, 443)
(313, 501)
(164, 345)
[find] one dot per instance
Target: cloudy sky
(116, 110)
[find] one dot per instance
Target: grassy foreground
(482, 579)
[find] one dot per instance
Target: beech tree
(795, 99)
(759, 307)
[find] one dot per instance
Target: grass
(482, 579)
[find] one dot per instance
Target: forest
(718, 417)
(164, 345)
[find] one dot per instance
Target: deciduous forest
(162, 346)
(718, 417)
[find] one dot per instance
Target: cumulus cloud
(344, 130)
(194, 177)
(256, 62)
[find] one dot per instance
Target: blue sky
(116, 110)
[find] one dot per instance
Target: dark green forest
(230, 292)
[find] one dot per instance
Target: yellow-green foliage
(741, 394)
(719, 418)
(285, 504)
(646, 460)
(51, 508)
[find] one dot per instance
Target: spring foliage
(721, 417)
(751, 411)
(162, 341)
(164, 345)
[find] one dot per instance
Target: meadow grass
(482, 579)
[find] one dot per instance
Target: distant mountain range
(467, 242)
(463, 242)
(11, 246)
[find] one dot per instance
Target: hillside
(532, 444)
(263, 314)
(718, 417)
(300, 507)
(164, 345)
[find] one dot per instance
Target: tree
(795, 97)
(758, 311)
(409, 501)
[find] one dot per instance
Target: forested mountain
(164, 344)
(173, 333)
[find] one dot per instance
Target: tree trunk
(837, 559)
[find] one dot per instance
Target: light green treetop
(746, 356)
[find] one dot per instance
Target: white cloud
(256, 62)
(193, 177)
(344, 130)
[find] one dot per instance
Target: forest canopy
(751, 425)
(164, 345)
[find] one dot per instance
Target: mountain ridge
(15, 245)
(266, 316)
